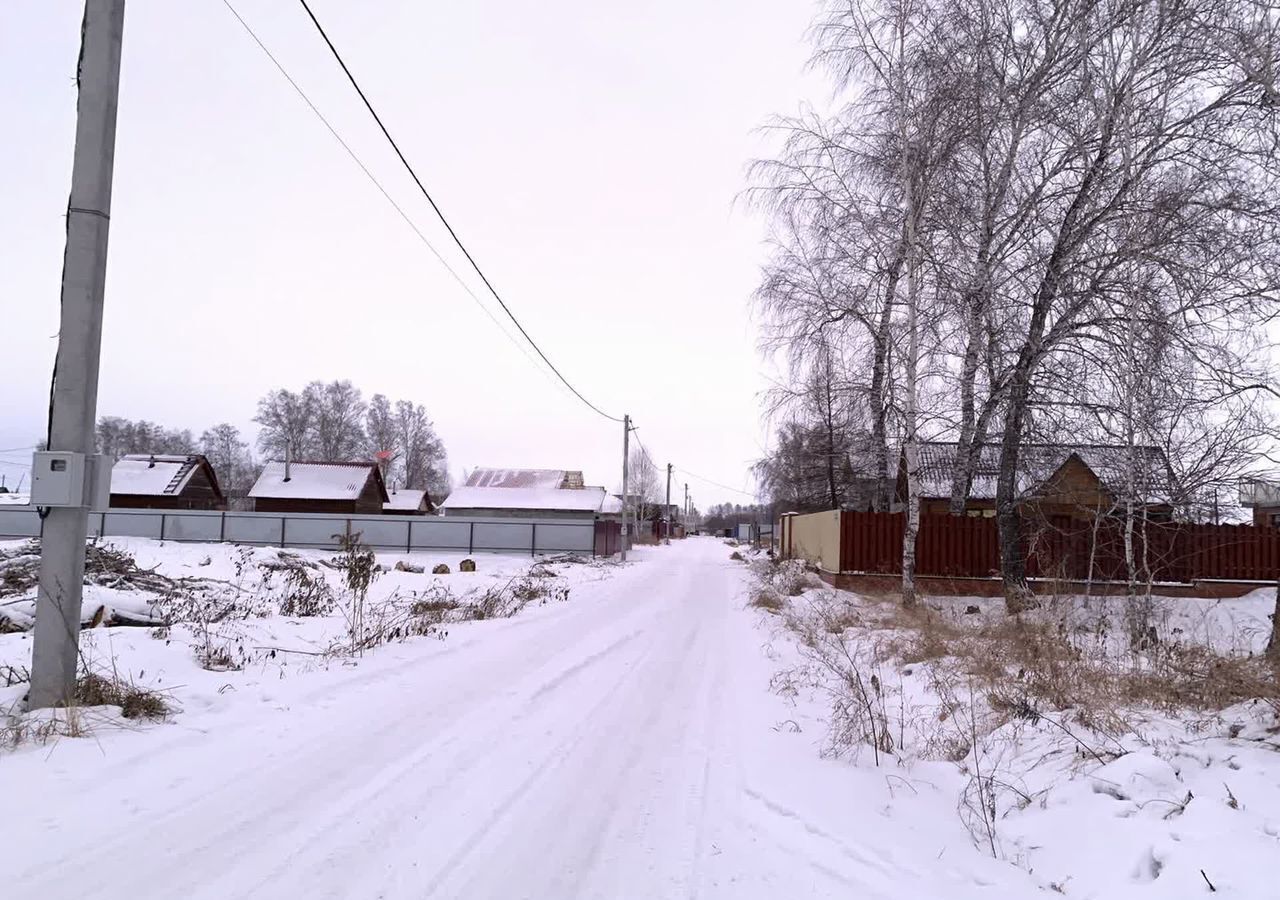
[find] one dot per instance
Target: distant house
(1076, 480)
(529, 493)
(165, 481)
(344, 488)
(1263, 497)
(408, 502)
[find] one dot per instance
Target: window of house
(1275, 520)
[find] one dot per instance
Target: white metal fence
(405, 533)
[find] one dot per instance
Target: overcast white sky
(590, 154)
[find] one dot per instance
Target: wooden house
(165, 481)
(342, 488)
(408, 502)
(1263, 498)
(1080, 481)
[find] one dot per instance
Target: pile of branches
(105, 566)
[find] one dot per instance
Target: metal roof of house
(159, 475)
(1152, 479)
(313, 481)
(525, 478)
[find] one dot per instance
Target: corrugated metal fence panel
(192, 526)
(578, 537)
(504, 537)
(383, 532)
(18, 522)
(324, 531)
(252, 528)
(128, 524)
(441, 534)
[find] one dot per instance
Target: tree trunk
(1273, 645)
(911, 445)
(832, 488)
(1013, 563)
(966, 451)
(879, 375)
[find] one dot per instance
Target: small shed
(343, 488)
(165, 481)
(408, 502)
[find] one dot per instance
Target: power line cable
(382, 190)
(453, 234)
(645, 452)
(716, 483)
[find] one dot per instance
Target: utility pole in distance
(668, 509)
(75, 393)
(626, 502)
(686, 499)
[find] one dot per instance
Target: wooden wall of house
(200, 489)
(164, 501)
(1262, 516)
(1074, 490)
(296, 505)
(371, 499)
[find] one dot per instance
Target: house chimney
(151, 464)
(288, 458)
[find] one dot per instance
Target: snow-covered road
(621, 745)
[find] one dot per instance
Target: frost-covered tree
(288, 423)
(117, 437)
(381, 435)
(423, 461)
(229, 456)
(338, 430)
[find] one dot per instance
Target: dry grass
(1056, 666)
(135, 702)
(767, 599)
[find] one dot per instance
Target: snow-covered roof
(1258, 492)
(404, 499)
(9, 498)
(142, 474)
(1152, 480)
(589, 499)
(312, 481)
(611, 505)
(549, 479)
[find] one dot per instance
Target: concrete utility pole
(626, 501)
(75, 394)
(686, 500)
(667, 511)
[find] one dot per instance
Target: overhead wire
(439, 213)
(378, 184)
(716, 483)
(645, 453)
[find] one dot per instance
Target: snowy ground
(624, 743)
(1136, 803)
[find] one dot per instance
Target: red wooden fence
(1070, 549)
(608, 537)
